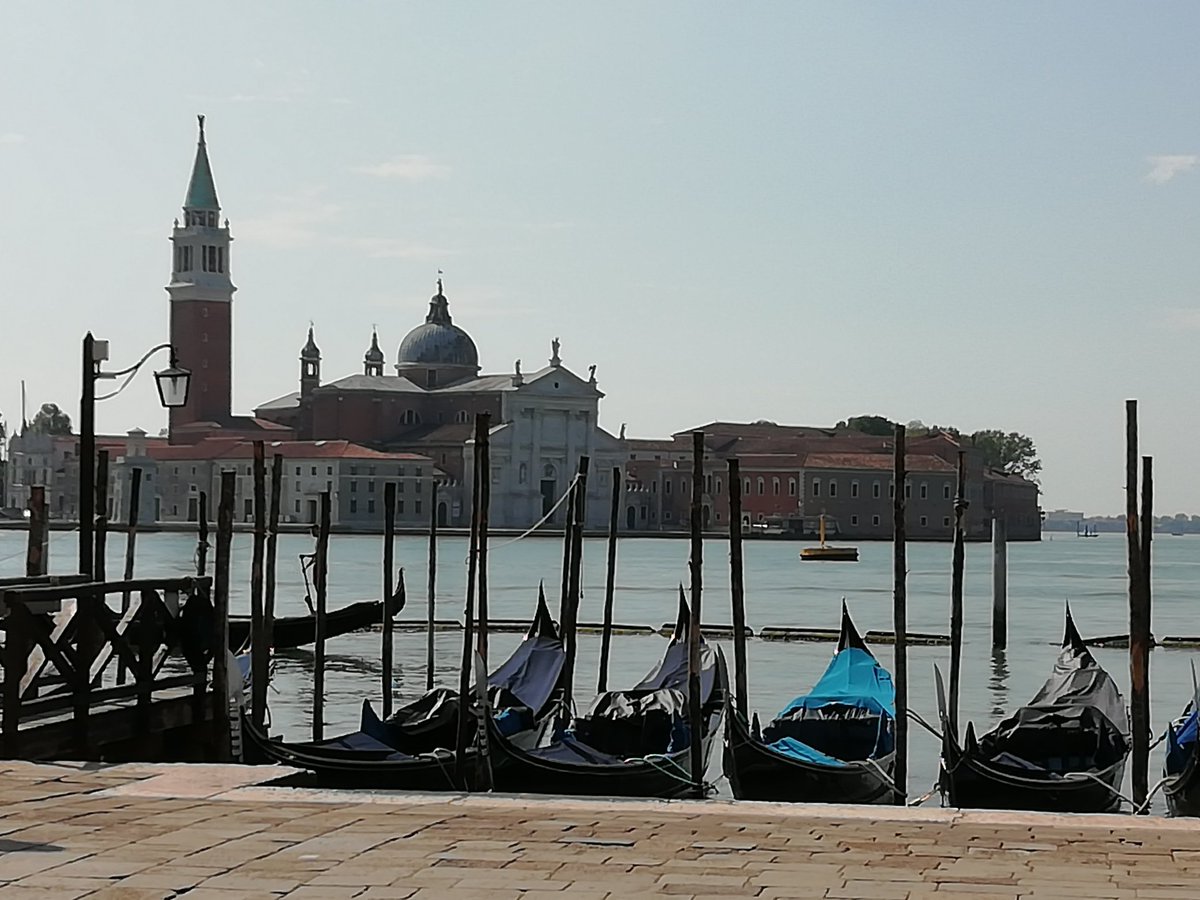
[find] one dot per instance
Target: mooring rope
(492, 548)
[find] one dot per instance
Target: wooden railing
(64, 672)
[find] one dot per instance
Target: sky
(975, 215)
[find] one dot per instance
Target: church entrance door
(630, 518)
(549, 494)
(193, 506)
(441, 520)
(312, 512)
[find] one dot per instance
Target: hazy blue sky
(973, 214)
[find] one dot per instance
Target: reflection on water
(998, 684)
(779, 591)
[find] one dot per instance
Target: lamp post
(172, 382)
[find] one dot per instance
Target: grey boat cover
(1077, 720)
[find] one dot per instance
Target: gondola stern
(849, 636)
(683, 620)
(543, 623)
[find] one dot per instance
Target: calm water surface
(780, 590)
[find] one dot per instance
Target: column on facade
(572, 451)
(534, 475)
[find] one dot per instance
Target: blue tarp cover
(798, 750)
(854, 678)
(1181, 737)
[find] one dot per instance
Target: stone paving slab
(219, 833)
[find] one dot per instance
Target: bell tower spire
(201, 293)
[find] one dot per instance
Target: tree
(877, 425)
(1010, 452)
(51, 420)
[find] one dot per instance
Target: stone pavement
(215, 833)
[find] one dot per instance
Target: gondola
(1063, 752)
(1182, 766)
(835, 744)
(414, 748)
(632, 743)
(291, 632)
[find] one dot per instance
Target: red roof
(226, 448)
(876, 461)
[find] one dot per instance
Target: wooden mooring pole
(483, 448)
(999, 580)
(464, 678)
(568, 534)
(135, 499)
(272, 546)
(202, 536)
(222, 741)
(321, 576)
(100, 557)
(389, 551)
(260, 650)
(956, 588)
(610, 579)
(431, 585)
(569, 623)
(695, 713)
(900, 616)
(35, 552)
(1139, 643)
(737, 590)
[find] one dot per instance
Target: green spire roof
(201, 192)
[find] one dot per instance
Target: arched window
(762, 485)
(410, 417)
(775, 486)
(791, 487)
(522, 473)
(548, 471)
(746, 487)
(461, 417)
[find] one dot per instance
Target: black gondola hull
(971, 783)
(1183, 792)
(291, 632)
(663, 777)
(756, 772)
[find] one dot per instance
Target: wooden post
(431, 586)
(321, 576)
(900, 615)
(737, 589)
(695, 714)
(570, 619)
(135, 499)
(35, 553)
(260, 650)
(100, 559)
(614, 515)
(483, 448)
(999, 580)
(222, 744)
(464, 681)
(272, 542)
(389, 552)
(202, 536)
(1145, 638)
(1139, 646)
(956, 587)
(568, 533)
(87, 457)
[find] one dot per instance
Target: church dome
(438, 342)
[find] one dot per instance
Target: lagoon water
(780, 590)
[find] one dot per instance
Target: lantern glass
(173, 383)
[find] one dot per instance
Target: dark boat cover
(1182, 736)
(1077, 719)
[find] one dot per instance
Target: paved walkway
(214, 833)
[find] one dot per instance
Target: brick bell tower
(202, 304)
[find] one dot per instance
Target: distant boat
(825, 552)
(1087, 532)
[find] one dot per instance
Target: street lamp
(172, 382)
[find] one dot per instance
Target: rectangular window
(353, 506)
(370, 487)
(643, 514)
(875, 521)
(832, 488)
(400, 507)
(667, 516)
(370, 506)
(907, 491)
(329, 470)
(854, 489)
(354, 487)
(418, 472)
(854, 520)
(875, 490)
(945, 521)
(418, 489)
(718, 485)
(946, 491)
(816, 487)
(400, 487)
(924, 521)
(297, 487)
(667, 486)
(329, 486)
(354, 470)
(297, 471)
(417, 506)
(220, 259)
(297, 506)
(924, 491)
(314, 470)
(891, 490)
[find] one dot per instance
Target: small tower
(310, 366)
(373, 360)
(201, 293)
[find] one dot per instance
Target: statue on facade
(517, 368)
(554, 357)
(592, 374)
(621, 436)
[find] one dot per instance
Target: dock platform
(218, 832)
